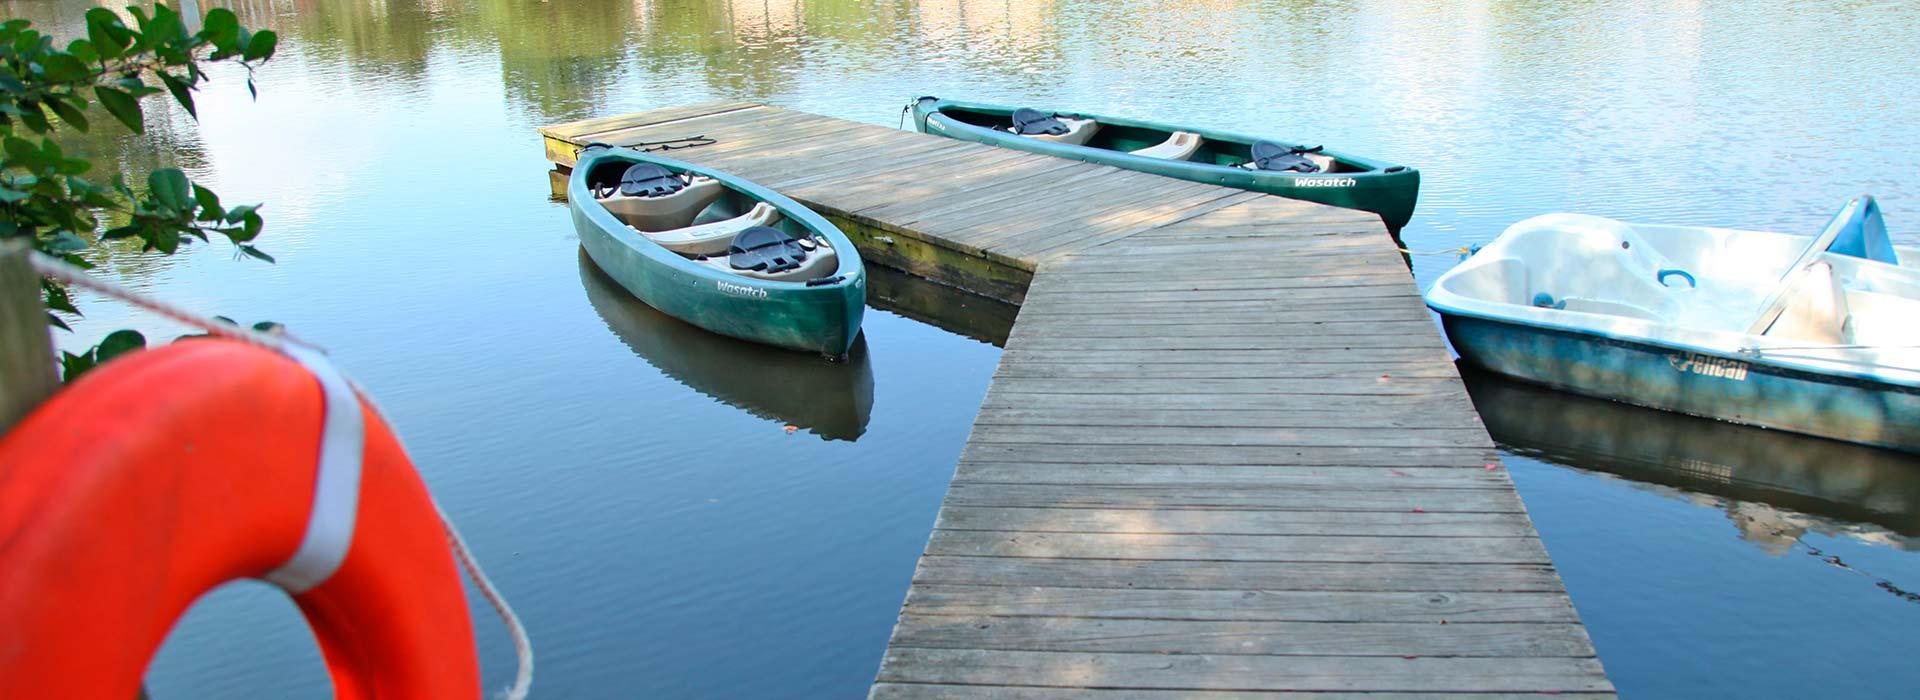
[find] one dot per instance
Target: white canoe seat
(712, 238)
(1035, 124)
(667, 211)
(1810, 307)
(1179, 146)
(771, 254)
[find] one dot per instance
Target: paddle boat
(1810, 335)
(1285, 169)
(717, 251)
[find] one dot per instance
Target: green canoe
(1285, 169)
(717, 251)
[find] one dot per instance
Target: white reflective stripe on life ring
(336, 488)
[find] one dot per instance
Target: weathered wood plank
(1404, 499)
(26, 349)
(1233, 522)
(1247, 605)
(1239, 672)
(1230, 435)
(1263, 638)
(1340, 456)
(587, 127)
(1146, 574)
(1206, 548)
(933, 691)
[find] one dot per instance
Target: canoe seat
(1811, 307)
(1267, 155)
(808, 259)
(1035, 124)
(1179, 146)
(666, 211)
(712, 238)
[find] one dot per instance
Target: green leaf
(68, 113)
(165, 240)
(122, 106)
(268, 326)
(110, 37)
(209, 204)
(182, 92)
(65, 68)
(83, 50)
(55, 321)
(170, 187)
(11, 195)
(256, 253)
(117, 343)
(35, 119)
(72, 366)
(117, 233)
(222, 29)
(260, 47)
(64, 243)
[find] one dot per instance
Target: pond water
(633, 485)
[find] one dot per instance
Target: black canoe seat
(765, 249)
(1032, 122)
(1035, 124)
(1268, 155)
(649, 180)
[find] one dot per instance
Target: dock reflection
(1775, 486)
(833, 400)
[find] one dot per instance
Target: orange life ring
(169, 472)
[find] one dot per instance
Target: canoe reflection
(833, 400)
(1776, 485)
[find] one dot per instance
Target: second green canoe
(1292, 170)
(718, 251)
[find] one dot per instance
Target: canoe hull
(1728, 388)
(823, 318)
(1391, 195)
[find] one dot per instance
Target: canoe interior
(1128, 135)
(731, 203)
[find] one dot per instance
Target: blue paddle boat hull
(1717, 386)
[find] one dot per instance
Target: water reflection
(833, 400)
(1774, 486)
(985, 319)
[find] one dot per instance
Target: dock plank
(1225, 454)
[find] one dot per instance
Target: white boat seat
(1079, 131)
(1812, 307)
(1179, 146)
(664, 212)
(712, 238)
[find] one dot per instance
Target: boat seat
(1179, 146)
(665, 211)
(712, 238)
(1810, 307)
(819, 261)
(1035, 124)
(1267, 155)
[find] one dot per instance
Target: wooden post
(26, 350)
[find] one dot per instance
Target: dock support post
(26, 349)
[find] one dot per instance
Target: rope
(1462, 250)
(279, 342)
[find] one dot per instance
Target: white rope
(280, 342)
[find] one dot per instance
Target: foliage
(44, 195)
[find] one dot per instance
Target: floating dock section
(1226, 452)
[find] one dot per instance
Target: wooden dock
(1225, 454)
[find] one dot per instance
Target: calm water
(632, 483)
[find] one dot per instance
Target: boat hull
(1728, 388)
(822, 318)
(1391, 195)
